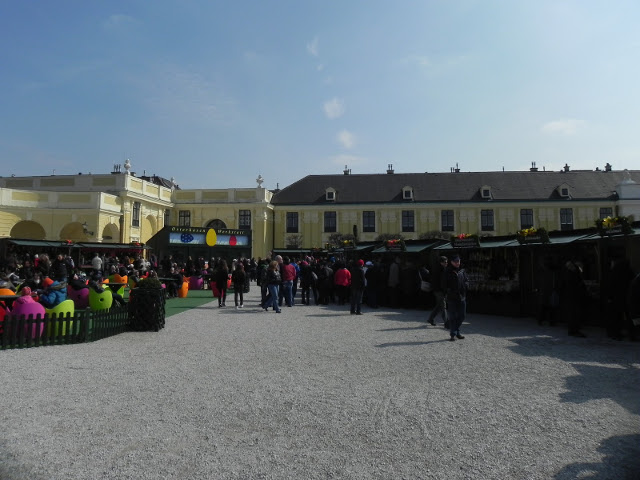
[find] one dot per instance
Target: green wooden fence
(83, 326)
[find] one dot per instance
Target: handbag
(424, 285)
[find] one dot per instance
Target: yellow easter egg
(211, 238)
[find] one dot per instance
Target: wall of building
(59, 205)
(427, 218)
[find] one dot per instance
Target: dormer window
(330, 195)
(564, 191)
(485, 192)
(407, 193)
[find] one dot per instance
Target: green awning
(409, 248)
(483, 244)
(37, 243)
(364, 248)
(567, 239)
(499, 243)
(114, 246)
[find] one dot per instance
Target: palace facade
(123, 208)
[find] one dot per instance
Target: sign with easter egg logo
(209, 236)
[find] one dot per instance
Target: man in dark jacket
(59, 269)
(438, 292)
(455, 285)
(357, 287)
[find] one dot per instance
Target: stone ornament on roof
(627, 177)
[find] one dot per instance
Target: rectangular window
(526, 218)
(606, 212)
(566, 219)
(292, 222)
(167, 217)
(135, 217)
(486, 220)
(330, 224)
(244, 219)
(447, 220)
(369, 221)
(408, 221)
(184, 218)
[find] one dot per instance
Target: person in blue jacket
(53, 294)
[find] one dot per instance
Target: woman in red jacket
(342, 281)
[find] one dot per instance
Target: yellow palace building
(120, 207)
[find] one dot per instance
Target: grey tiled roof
(453, 187)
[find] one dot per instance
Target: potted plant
(613, 226)
(146, 305)
(532, 235)
(465, 240)
(395, 245)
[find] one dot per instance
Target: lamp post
(85, 229)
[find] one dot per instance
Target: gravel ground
(316, 393)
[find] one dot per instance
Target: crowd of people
(387, 281)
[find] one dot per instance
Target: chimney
(533, 167)
(346, 171)
(457, 169)
(390, 169)
(607, 167)
(566, 167)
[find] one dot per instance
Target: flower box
(532, 235)
(465, 240)
(613, 226)
(348, 244)
(395, 245)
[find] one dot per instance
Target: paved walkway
(317, 393)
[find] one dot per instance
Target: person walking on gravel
(273, 281)
(438, 292)
(456, 285)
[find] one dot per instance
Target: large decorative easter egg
(211, 238)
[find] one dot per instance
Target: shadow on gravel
(616, 379)
(570, 349)
(594, 382)
(409, 344)
(621, 460)
(421, 327)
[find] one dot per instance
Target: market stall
(195, 242)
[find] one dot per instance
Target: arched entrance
(147, 228)
(216, 224)
(111, 233)
(74, 231)
(28, 229)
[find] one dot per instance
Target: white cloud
(346, 139)
(569, 126)
(312, 47)
(434, 65)
(334, 108)
(175, 93)
(419, 60)
(348, 160)
(320, 67)
(117, 20)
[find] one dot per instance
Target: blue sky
(214, 93)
